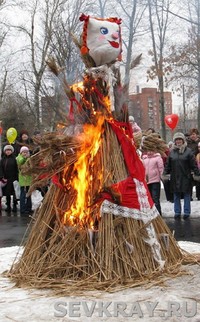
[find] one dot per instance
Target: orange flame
(84, 169)
(77, 87)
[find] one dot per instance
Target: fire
(83, 175)
(77, 87)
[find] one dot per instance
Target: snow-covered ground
(177, 299)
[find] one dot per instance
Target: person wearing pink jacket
(135, 127)
(154, 167)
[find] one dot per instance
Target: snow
(33, 305)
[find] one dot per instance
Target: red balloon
(172, 120)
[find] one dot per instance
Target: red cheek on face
(101, 37)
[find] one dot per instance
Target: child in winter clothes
(154, 167)
(9, 171)
(24, 182)
(135, 127)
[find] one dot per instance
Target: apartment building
(144, 106)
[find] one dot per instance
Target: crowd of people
(14, 155)
(178, 168)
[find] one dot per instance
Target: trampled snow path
(137, 304)
(182, 293)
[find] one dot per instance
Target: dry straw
(68, 259)
(110, 255)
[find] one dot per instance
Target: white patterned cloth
(146, 214)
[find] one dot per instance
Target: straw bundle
(88, 248)
(69, 260)
(57, 151)
(113, 254)
(137, 137)
(153, 142)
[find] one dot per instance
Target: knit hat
(178, 135)
(24, 149)
(131, 118)
(8, 147)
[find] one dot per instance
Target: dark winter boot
(14, 209)
(8, 208)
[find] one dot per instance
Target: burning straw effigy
(97, 227)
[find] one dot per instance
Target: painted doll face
(103, 41)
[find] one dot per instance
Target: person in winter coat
(180, 164)
(192, 142)
(154, 167)
(198, 165)
(9, 170)
(169, 195)
(24, 182)
(15, 146)
(135, 127)
(2, 184)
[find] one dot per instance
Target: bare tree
(66, 54)
(38, 32)
(184, 58)
(16, 114)
(159, 22)
(62, 43)
(131, 12)
(3, 88)
(102, 7)
(3, 33)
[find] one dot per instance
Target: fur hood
(180, 148)
(179, 135)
